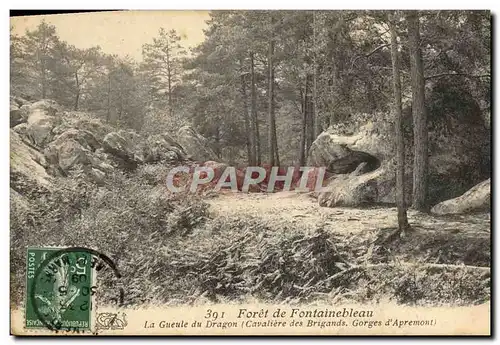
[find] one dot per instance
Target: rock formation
(476, 199)
(458, 156)
(195, 145)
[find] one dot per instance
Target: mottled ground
(304, 211)
(443, 260)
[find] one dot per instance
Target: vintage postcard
(251, 173)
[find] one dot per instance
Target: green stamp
(59, 289)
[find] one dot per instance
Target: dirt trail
(304, 211)
(455, 240)
(444, 260)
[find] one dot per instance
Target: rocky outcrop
(476, 199)
(28, 176)
(361, 164)
(18, 111)
(82, 121)
(343, 153)
(195, 145)
(15, 115)
(71, 148)
(115, 144)
(73, 141)
(83, 137)
(19, 101)
(41, 121)
(122, 150)
(338, 158)
(458, 154)
(27, 164)
(66, 154)
(162, 147)
(354, 189)
(67, 140)
(21, 129)
(101, 160)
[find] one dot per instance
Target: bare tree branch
(369, 54)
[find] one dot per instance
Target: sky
(119, 33)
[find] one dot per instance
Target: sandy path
(302, 210)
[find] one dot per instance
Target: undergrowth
(169, 251)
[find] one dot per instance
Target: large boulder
(49, 105)
(71, 148)
(354, 189)
(84, 137)
(346, 152)
(349, 158)
(98, 176)
(337, 157)
(41, 121)
(27, 164)
(121, 150)
(459, 144)
(16, 117)
(66, 154)
(83, 121)
(325, 150)
(71, 153)
(162, 147)
(476, 199)
(195, 145)
(21, 129)
(115, 144)
(19, 109)
(135, 142)
(100, 160)
(17, 100)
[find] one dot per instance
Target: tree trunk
(217, 139)
(302, 156)
(334, 46)
(118, 119)
(120, 111)
(248, 135)
(77, 96)
(370, 95)
(317, 120)
(256, 154)
(398, 123)
(309, 108)
(108, 115)
(270, 94)
(275, 140)
(77, 100)
(44, 80)
(420, 131)
(334, 97)
(169, 80)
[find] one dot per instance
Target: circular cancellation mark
(52, 295)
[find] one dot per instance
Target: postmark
(62, 290)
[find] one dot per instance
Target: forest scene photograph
(275, 156)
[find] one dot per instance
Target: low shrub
(125, 219)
